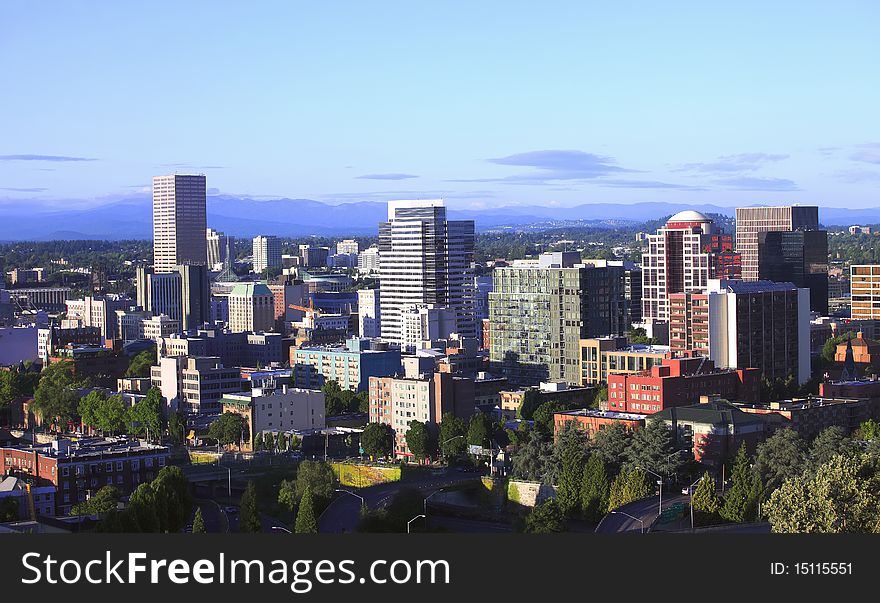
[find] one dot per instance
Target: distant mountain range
(131, 218)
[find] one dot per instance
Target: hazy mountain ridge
(131, 217)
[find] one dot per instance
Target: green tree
(88, 408)
(377, 439)
(316, 477)
(741, 500)
(535, 460)
(103, 502)
(141, 514)
(479, 430)
(869, 430)
(530, 403)
(173, 499)
(453, 435)
(637, 485)
(258, 441)
(595, 489)
(544, 415)
(249, 515)
(653, 447)
(145, 416)
(842, 497)
(111, 414)
(545, 518)
(269, 441)
(570, 444)
(141, 363)
(418, 440)
(228, 429)
(780, 457)
(199, 523)
(305, 516)
(617, 496)
(611, 445)
(830, 442)
(55, 400)
(11, 387)
(177, 428)
(287, 496)
(706, 501)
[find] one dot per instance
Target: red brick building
(80, 468)
(680, 381)
(809, 417)
(592, 420)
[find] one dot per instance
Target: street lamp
(413, 519)
(449, 440)
(669, 456)
(363, 502)
(429, 496)
(631, 517)
(659, 481)
(229, 469)
(691, 489)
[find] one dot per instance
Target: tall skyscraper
(425, 259)
(179, 222)
(799, 257)
(195, 292)
(753, 220)
(267, 253)
(681, 258)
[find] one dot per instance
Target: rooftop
(689, 215)
(250, 289)
(90, 447)
(604, 414)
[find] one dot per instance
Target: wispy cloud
(392, 176)
(191, 166)
(758, 184)
(648, 184)
(855, 176)
(24, 190)
(867, 153)
(553, 165)
(44, 158)
(733, 164)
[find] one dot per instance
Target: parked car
(231, 509)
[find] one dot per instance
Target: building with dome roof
(681, 258)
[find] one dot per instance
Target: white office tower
(424, 259)
(369, 313)
(347, 246)
(219, 245)
(179, 222)
(368, 260)
(267, 253)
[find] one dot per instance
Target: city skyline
(681, 103)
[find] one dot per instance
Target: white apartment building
(267, 252)
(425, 259)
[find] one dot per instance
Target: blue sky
(484, 103)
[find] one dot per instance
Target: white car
(687, 490)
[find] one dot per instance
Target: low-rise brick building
(80, 468)
(592, 420)
(680, 381)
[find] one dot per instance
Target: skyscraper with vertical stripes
(425, 259)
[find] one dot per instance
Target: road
(646, 510)
(343, 514)
(466, 526)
